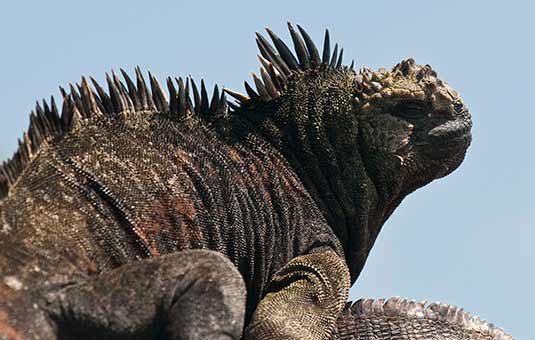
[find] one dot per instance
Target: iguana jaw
(448, 140)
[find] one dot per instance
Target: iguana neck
(313, 124)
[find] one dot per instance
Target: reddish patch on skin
(7, 330)
(234, 155)
(146, 233)
(162, 222)
(264, 181)
(171, 221)
(150, 244)
(7, 293)
(90, 267)
(4, 293)
(289, 179)
(153, 248)
(186, 209)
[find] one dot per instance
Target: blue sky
(466, 239)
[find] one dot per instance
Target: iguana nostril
(458, 107)
(451, 129)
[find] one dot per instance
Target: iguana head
(360, 140)
(410, 114)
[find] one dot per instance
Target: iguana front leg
(194, 294)
(304, 299)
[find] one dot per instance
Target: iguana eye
(411, 109)
(458, 106)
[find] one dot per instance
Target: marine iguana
(131, 215)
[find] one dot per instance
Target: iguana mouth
(442, 149)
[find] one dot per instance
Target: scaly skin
(398, 318)
(105, 206)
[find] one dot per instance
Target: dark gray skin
(104, 208)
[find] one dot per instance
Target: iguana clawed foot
(304, 299)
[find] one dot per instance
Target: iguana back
(143, 184)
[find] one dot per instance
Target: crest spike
(115, 95)
(340, 59)
(270, 86)
(223, 104)
(55, 115)
(189, 105)
(66, 111)
(326, 48)
(264, 61)
(173, 96)
(129, 105)
(236, 95)
(141, 89)
(158, 94)
(196, 97)
(41, 121)
(278, 78)
(312, 49)
(183, 93)
(271, 54)
(78, 101)
(52, 118)
(132, 91)
(262, 91)
(103, 96)
(299, 46)
(284, 51)
(88, 98)
(252, 93)
(334, 58)
(214, 103)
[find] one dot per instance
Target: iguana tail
(401, 319)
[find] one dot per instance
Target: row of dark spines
(306, 56)
(137, 97)
(83, 102)
(279, 62)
